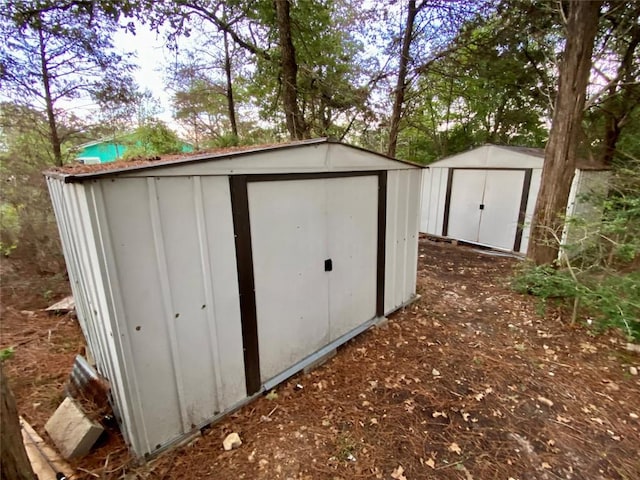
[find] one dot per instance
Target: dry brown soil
(469, 382)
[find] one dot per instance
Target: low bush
(598, 276)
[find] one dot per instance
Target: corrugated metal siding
(403, 209)
(534, 188)
(587, 186)
(434, 191)
(171, 235)
(157, 243)
(72, 206)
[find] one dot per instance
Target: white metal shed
(202, 281)
(487, 195)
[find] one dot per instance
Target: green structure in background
(102, 151)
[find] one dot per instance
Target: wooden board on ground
(37, 449)
(63, 306)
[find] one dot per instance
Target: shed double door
(484, 206)
(314, 247)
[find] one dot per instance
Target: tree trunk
(230, 102)
(289, 73)
(54, 138)
(401, 85)
(14, 463)
(560, 154)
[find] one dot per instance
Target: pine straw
(44, 347)
(455, 379)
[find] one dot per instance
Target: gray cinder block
(71, 430)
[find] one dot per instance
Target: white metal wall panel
(75, 214)
(138, 249)
(436, 203)
(342, 158)
(97, 312)
(401, 242)
(411, 233)
(221, 286)
(534, 188)
(124, 389)
(289, 243)
(352, 229)
(185, 246)
(391, 242)
(62, 205)
(174, 244)
(402, 221)
(587, 186)
(429, 196)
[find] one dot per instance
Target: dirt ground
(472, 381)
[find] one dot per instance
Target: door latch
(482, 206)
(328, 265)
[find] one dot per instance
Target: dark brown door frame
(526, 187)
(244, 257)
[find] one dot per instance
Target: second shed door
(314, 246)
(484, 206)
(502, 197)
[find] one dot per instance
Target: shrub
(598, 277)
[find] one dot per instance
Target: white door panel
(289, 243)
(352, 206)
(464, 209)
(499, 219)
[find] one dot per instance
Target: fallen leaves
(398, 473)
(545, 401)
(586, 347)
(455, 448)
(481, 395)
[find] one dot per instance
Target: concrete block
(71, 430)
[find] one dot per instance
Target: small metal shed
(202, 281)
(487, 195)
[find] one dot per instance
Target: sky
(151, 57)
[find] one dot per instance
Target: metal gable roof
(79, 172)
(491, 153)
